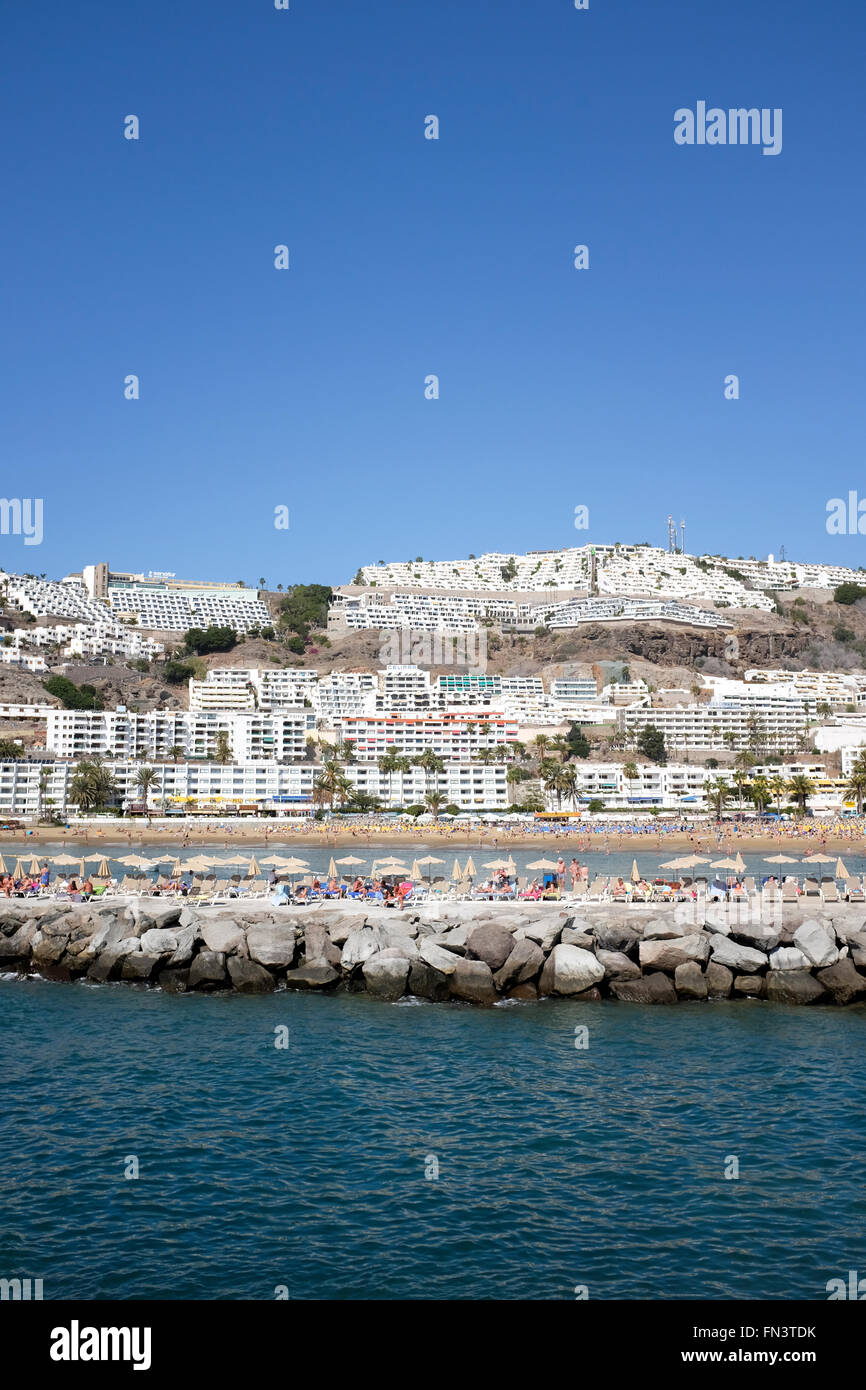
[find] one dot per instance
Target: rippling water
(305, 1167)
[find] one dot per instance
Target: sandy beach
(830, 838)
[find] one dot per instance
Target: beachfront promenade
(473, 952)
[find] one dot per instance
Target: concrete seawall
(477, 952)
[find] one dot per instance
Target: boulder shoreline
(475, 952)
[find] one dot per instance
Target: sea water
(336, 1147)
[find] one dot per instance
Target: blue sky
(305, 388)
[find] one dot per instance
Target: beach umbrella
(841, 871)
(542, 864)
(58, 859)
(456, 873)
(18, 871)
(635, 876)
(253, 871)
(350, 859)
(176, 869)
(779, 859)
(332, 868)
(103, 871)
(500, 864)
(741, 863)
(35, 866)
(415, 871)
(724, 864)
(3, 868)
(470, 871)
(818, 859)
(272, 861)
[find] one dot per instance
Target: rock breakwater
(476, 952)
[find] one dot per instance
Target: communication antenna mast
(683, 533)
(672, 536)
(781, 552)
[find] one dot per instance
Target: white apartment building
(721, 724)
(118, 733)
(457, 737)
(26, 661)
(574, 689)
(834, 688)
(252, 688)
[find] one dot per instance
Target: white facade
(251, 736)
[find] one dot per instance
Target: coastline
(829, 839)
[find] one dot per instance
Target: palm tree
(761, 793)
(801, 788)
(718, 792)
(778, 786)
(175, 752)
(740, 780)
(434, 802)
(223, 751)
(44, 779)
(387, 765)
(856, 785)
(514, 776)
(430, 763)
(146, 780)
(568, 781)
(92, 785)
(541, 742)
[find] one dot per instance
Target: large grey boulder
(248, 977)
(617, 963)
(158, 941)
(663, 929)
(667, 954)
(441, 960)
(108, 960)
(816, 943)
(208, 968)
(525, 959)
(690, 981)
(615, 936)
(425, 982)
(186, 939)
(720, 980)
(793, 987)
(843, 981)
(140, 965)
(544, 934)
(225, 937)
(491, 943)
(745, 959)
(359, 946)
(472, 980)
(650, 989)
(789, 958)
(752, 985)
(570, 970)
(319, 975)
(386, 975)
(272, 945)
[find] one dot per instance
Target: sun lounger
(581, 888)
(853, 891)
(770, 893)
(811, 888)
(749, 884)
(829, 891)
(789, 891)
(596, 890)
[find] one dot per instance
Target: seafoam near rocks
(475, 953)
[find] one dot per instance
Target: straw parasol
(457, 873)
(351, 860)
(35, 866)
(818, 859)
(500, 864)
(430, 859)
(103, 871)
(542, 864)
(741, 863)
(841, 871)
(635, 876)
(176, 869)
(18, 871)
(724, 864)
(64, 859)
(253, 871)
(470, 871)
(332, 868)
(3, 868)
(779, 859)
(415, 871)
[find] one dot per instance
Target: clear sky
(305, 388)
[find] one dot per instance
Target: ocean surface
(234, 858)
(416, 1151)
